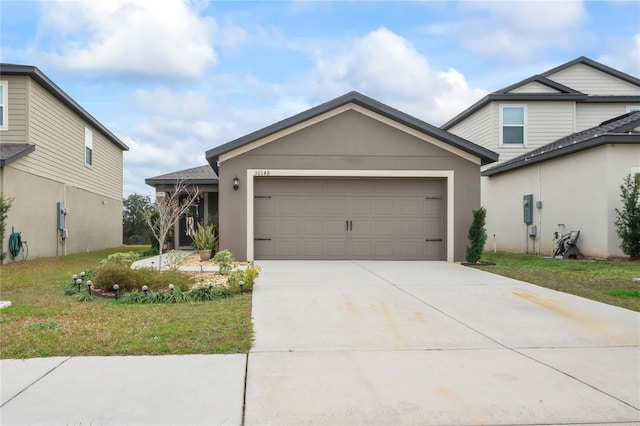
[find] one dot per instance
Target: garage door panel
(350, 218)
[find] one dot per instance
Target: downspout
(539, 233)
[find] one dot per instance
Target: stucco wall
(348, 141)
(94, 221)
(579, 191)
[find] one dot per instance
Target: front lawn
(42, 321)
(608, 281)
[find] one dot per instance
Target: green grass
(608, 281)
(43, 322)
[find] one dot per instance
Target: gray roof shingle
(202, 175)
(10, 152)
(622, 129)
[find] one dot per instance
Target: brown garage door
(350, 218)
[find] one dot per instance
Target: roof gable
(58, 93)
(351, 100)
(622, 129)
(616, 87)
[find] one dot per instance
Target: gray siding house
(566, 138)
(56, 158)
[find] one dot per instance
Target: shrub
(126, 258)
(133, 279)
(224, 259)
(628, 219)
(477, 235)
(249, 276)
(5, 205)
(175, 258)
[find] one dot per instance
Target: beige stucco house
(571, 188)
(61, 166)
(349, 179)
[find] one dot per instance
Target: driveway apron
(364, 342)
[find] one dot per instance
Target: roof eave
(156, 182)
(570, 149)
(6, 161)
(58, 93)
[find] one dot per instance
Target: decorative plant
(224, 259)
(5, 205)
(628, 218)
(204, 238)
(477, 235)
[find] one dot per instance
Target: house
(576, 180)
(571, 188)
(206, 180)
(61, 166)
(349, 179)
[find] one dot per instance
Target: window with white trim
(513, 125)
(633, 108)
(4, 101)
(88, 147)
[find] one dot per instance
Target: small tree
(628, 219)
(477, 235)
(5, 205)
(169, 209)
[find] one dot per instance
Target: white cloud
(520, 30)
(385, 66)
(151, 38)
(624, 54)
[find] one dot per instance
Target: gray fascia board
(58, 93)
(9, 160)
(596, 65)
(484, 154)
(570, 149)
(611, 98)
(155, 182)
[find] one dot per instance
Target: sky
(173, 79)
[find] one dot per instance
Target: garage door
(349, 219)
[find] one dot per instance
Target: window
(88, 147)
(633, 108)
(513, 125)
(4, 119)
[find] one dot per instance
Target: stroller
(567, 246)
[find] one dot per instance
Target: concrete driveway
(360, 342)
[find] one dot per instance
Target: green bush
(5, 205)
(249, 276)
(124, 258)
(204, 238)
(133, 279)
(224, 259)
(628, 218)
(477, 235)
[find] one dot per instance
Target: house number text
(261, 173)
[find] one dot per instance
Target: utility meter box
(533, 231)
(527, 206)
(62, 212)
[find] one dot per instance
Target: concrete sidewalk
(136, 390)
(344, 343)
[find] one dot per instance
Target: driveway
(361, 342)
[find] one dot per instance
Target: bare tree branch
(169, 211)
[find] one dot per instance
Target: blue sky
(174, 78)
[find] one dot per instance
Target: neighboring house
(206, 180)
(349, 179)
(577, 181)
(529, 117)
(61, 166)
